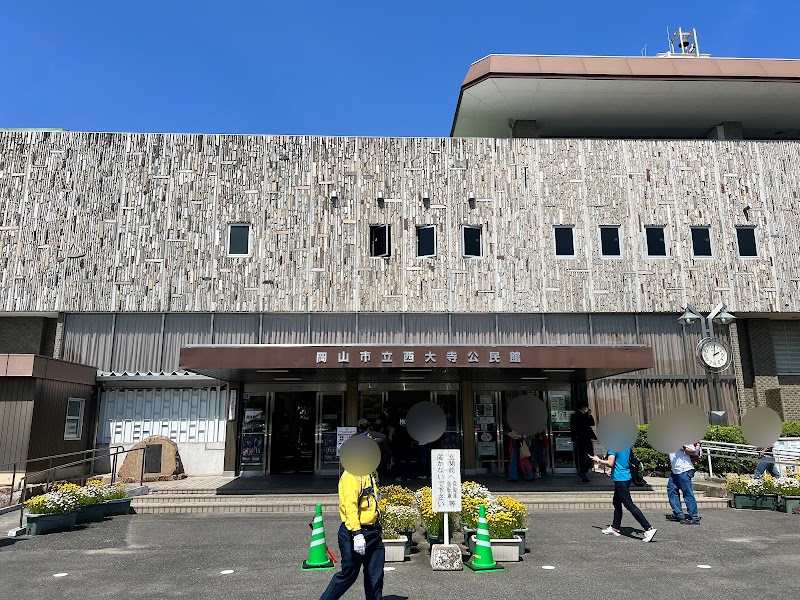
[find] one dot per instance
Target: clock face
(714, 354)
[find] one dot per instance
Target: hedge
(657, 462)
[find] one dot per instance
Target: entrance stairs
(268, 495)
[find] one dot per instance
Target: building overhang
(43, 367)
(286, 364)
(594, 96)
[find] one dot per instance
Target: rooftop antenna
(644, 50)
(682, 44)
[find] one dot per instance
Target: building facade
(246, 295)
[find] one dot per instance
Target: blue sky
(321, 68)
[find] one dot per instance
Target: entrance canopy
(433, 363)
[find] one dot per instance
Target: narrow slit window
(472, 238)
(73, 424)
(565, 241)
(746, 239)
(239, 239)
(656, 241)
(380, 241)
(701, 242)
(426, 241)
(609, 241)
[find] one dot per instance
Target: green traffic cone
(482, 559)
(318, 559)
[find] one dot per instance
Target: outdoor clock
(713, 354)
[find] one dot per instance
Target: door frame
(319, 467)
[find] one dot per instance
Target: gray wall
(137, 223)
(27, 335)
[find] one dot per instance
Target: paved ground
(751, 555)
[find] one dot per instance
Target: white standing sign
(342, 435)
(446, 480)
(446, 484)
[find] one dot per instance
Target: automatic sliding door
(330, 412)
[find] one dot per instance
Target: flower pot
(395, 549)
(521, 534)
(760, 502)
(434, 539)
(91, 512)
(117, 507)
(790, 504)
(503, 550)
(38, 524)
(469, 539)
(409, 541)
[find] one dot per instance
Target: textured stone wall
(137, 222)
(24, 335)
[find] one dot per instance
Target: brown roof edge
(636, 67)
(43, 367)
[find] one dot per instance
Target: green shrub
(791, 429)
(652, 460)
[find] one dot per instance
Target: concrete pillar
(468, 420)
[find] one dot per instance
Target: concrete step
(261, 504)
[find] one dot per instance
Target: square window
(426, 240)
(73, 424)
(565, 242)
(380, 245)
(746, 238)
(701, 242)
(656, 241)
(609, 241)
(239, 239)
(472, 238)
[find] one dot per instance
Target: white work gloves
(359, 544)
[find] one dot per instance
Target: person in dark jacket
(582, 435)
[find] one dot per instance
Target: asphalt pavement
(749, 554)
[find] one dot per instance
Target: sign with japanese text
(446, 480)
(342, 435)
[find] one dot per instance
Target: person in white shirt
(680, 481)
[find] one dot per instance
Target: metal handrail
(78, 462)
(739, 451)
(24, 463)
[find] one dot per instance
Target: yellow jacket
(353, 513)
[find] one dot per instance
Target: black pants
(372, 560)
(583, 448)
(622, 497)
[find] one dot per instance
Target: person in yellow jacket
(360, 540)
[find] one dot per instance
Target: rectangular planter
(522, 535)
(790, 504)
(93, 512)
(503, 550)
(762, 502)
(39, 524)
(395, 549)
(434, 539)
(117, 507)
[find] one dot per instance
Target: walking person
(582, 434)
(619, 463)
(359, 537)
(766, 463)
(680, 482)
(539, 446)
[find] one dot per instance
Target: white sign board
(342, 435)
(446, 480)
(787, 455)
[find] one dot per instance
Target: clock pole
(721, 316)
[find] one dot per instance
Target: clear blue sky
(322, 68)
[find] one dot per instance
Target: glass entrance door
(294, 438)
(254, 438)
(330, 415)
(561, 409)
